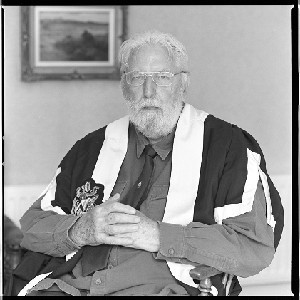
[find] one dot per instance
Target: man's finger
(120, 228)
(115, 197)
(121, 208)
(112, 240)
(114, 218)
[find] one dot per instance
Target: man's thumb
(115, 197)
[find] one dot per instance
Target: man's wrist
(172, 241)
(76, 233)
(156, 238)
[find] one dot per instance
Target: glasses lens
(163, 78)
(135, 78)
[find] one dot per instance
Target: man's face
(153, 109)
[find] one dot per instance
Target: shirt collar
(163, 147)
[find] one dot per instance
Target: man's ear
(185, 81)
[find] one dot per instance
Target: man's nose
(149, 87)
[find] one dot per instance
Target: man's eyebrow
(162, 70)
(165, 70)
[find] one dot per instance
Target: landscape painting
(76, 41)
(81, 35)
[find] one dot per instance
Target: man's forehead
(150, 55)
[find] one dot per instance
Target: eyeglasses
(136, 78)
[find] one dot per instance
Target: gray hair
(175, 49)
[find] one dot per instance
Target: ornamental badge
(86, 196)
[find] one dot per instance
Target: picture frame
(71, 42)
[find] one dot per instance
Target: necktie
(139, 191)
(95, 257)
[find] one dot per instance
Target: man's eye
(164, 76)
(137, 76)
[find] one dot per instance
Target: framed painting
(71, 42)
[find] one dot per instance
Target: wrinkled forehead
(151, 58)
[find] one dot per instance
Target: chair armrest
(203, 274)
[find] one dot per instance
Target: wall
(240, 71)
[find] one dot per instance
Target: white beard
(154, 123)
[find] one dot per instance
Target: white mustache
(147, 102)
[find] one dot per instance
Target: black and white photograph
(147, 151)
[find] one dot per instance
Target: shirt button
(171, 251)
(98, 281)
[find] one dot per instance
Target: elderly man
(137, 204)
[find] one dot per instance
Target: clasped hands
(115, 223)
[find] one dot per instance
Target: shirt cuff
(172, 242)
(64, 244)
